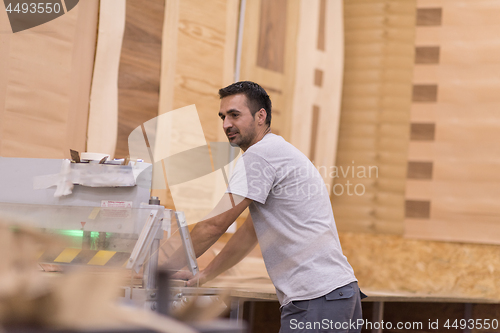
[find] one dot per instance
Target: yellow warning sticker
(101, 258)
(67, 255)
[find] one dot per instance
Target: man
(290, 216)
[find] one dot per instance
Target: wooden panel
(375, 117)
(427, 55)
(321, 25)
(420, 170)
(45, 84)
(314, 131)
(272, 35)
(318, 77)
(417, 209)
(422, 132)
(198, 52)
(432, 268)
(425, 93)
(429, 16)
(103, 114)
(139, 73)
(279, 84)
(464, 153)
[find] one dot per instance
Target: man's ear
(262, 114)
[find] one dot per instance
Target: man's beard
(244, 141)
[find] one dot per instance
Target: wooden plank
(429, 16)
(103, 113)
(139, 73)
(454, 231)
(55, 94)
(272, 32)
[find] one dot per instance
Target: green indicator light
(72, 233)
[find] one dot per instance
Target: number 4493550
(472, 324)
(40, 8)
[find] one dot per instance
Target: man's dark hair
(257, 97)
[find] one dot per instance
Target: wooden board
(374, 122)
(456, 131)
(45, 84)
(103, 114)
(139, 71)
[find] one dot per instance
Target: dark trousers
(337, 311)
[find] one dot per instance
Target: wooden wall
(268, 55)
(452, 191)
(447, 184)
(45, 78)
(369, 190)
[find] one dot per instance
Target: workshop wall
(45, 78)
(446, 184)
(452, 192)
(369, 184)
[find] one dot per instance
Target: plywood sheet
(457, 130)
(396, 264)
(45, 84)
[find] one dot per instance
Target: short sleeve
(252, 178)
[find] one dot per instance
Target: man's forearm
(203, 236)
(207, 232)
(237, 248)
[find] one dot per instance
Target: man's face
(237, 120)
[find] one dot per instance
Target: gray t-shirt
(293, 220)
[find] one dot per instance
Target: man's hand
(192, 281)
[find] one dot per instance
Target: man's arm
(208, 231)
(237, 248)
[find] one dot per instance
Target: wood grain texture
(279, 85)
(429, 16)
(140, 65)
(45, 84)
(419, 170)
(103, 113)
(459, 131)
(272, 35)
(422, 132)
(433, 269)
(425, 93)
(309, 92)
(375, 115)
(427, 55)
(198, 52)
